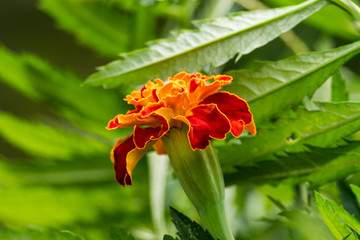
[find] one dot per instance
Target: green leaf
(30, 232)
(49, 206)
(307, 224)
(350, 220)
(117, 233)
(215, 42)
(188, 230)
(323, 128)
(68, 235)
(46, 141)
(317, 166)
(279, 85)
(168, 237)
(348, 198)
(356, 191)
(95, 24)
(334, 223)
(338, 91)
(40, 82)
(331, 20)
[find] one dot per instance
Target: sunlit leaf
(317, 166)
(215, 42)
(323, 127)
(332, 220)
(331, 19)
(279, 85)
(350, 220)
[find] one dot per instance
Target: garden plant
(183, 120)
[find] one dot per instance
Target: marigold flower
(191, 99)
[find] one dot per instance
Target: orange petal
(159, 147)
(125, 156)
(204, 90)
(143, 135)
(130, 120)
(151, 108)
(251, 128)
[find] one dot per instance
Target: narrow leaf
(322, 128)
(356, 191)
(187, 229)
(348, 198)
(279, 85)
(346, 217)
(338, 91)
(317, 166)
(40, 81)
(93, 23)
(334, 223)
(53, 207)
(46, 141)
(215, 42)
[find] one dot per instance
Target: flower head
(191, 99)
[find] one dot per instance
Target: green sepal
(200, 176)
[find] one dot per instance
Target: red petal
(205, 122)
(114, 123)
(234, 108)
(194, 83)
(125, 156)
(142, 90)
(118, 156)
(154, 95)
(143, 135)
(136, 110)
(151, 108)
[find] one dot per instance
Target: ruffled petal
(235, 109)
(143, 135)
(205, 122)
(130, 120)
(151, 108)
(125, 156)
(202, 91)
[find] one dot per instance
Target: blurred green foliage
(56, 179)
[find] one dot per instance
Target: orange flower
(191, 99)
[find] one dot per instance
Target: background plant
(55, 171)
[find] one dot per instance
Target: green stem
(200, 175)
(215, 219)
